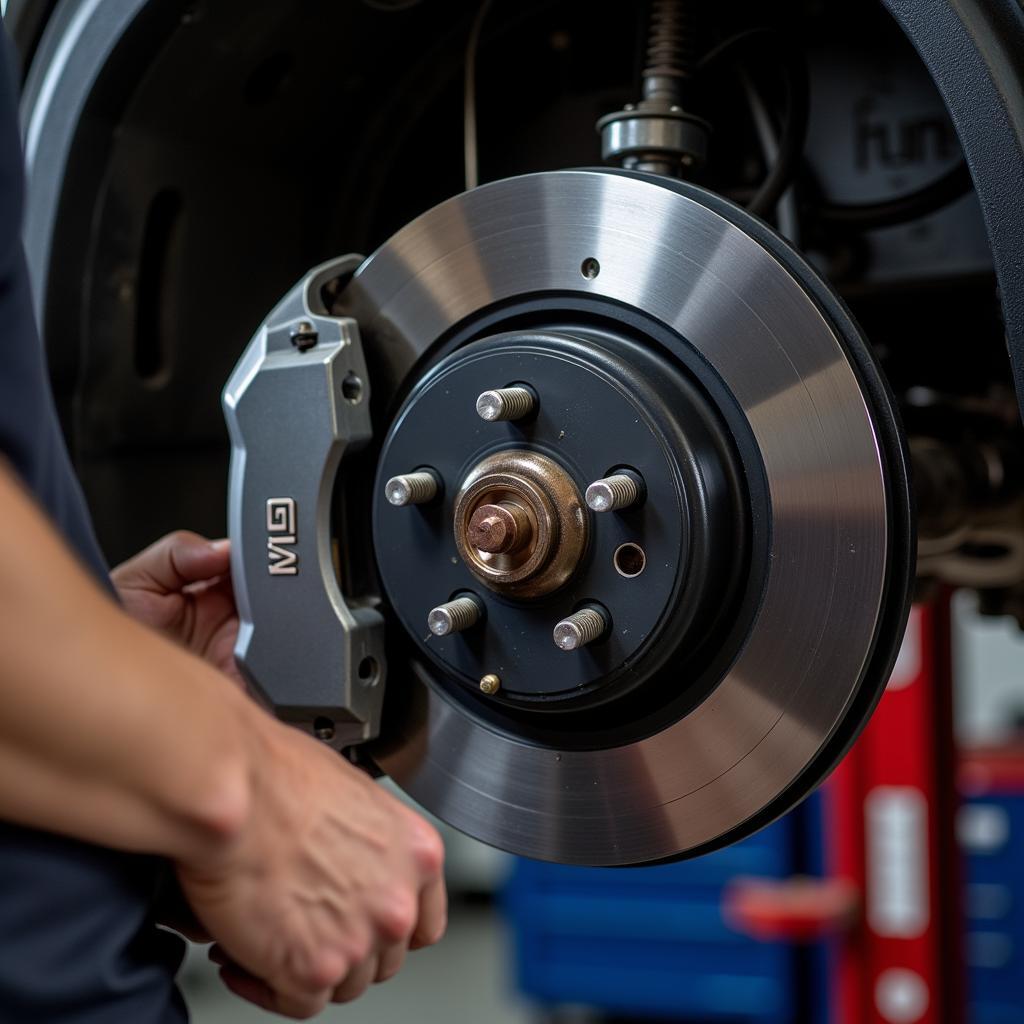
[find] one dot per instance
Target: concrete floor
(467, 977)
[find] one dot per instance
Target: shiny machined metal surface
(788, 690)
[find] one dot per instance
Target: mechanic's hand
(325, 887)
(181, 586)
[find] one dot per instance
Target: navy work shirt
(77, 938)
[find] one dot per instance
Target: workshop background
(893, 894)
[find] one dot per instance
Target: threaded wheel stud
(613, 493)
(454, 616)
(579, 629)
(411, 488)
(505, 404)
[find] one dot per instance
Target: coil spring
(671, 42)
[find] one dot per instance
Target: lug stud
(579, 629)
(505, 404)
(613, 493)
(454, 616)
(490, 684)
(411, 488)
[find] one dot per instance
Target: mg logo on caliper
(282, 559)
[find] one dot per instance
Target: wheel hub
(519, 523)
(604, 407)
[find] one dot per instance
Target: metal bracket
(296, 405)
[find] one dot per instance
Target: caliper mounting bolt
(304, 335)
(411, 488)
(579, 629)
(454, 616)
(505, 404)
(613, 493)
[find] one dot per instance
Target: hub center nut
(520, 523)
(497, 529)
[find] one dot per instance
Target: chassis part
(631, 753)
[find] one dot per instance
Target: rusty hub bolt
(520, 524)
(499, 528)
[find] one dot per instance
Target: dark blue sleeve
(78, 943)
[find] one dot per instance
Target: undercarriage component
(970, 513)
(645, 608)
(297, 406)
(656, 133)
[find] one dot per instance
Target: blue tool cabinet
(992, 837)
(652, 941)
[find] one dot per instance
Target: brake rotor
(640, 521)
(662, 329)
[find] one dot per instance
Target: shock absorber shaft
(657, 134)
(671, 50)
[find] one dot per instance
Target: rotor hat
(528, 544)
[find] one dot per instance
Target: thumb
(173, 562)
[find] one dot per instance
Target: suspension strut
(657, 134)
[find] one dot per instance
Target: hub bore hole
(352, 389)
(629, 560)
(590, 268)
(368, 671)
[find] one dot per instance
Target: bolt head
(304, 336)
(492, 529)
(490, 684)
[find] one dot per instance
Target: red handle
(791, 909)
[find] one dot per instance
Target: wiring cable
(469, 145)
(793, 137)
(786, 215)
(888, 213)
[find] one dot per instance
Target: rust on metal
(520, 523)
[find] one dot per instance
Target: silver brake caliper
(297, 405)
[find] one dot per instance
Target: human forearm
(108, 732)
(313, 881)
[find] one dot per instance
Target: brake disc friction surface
(834, 595)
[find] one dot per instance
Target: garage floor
(467, 977)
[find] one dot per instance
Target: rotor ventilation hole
(630, 560)
(352, 389)
(590, 268)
